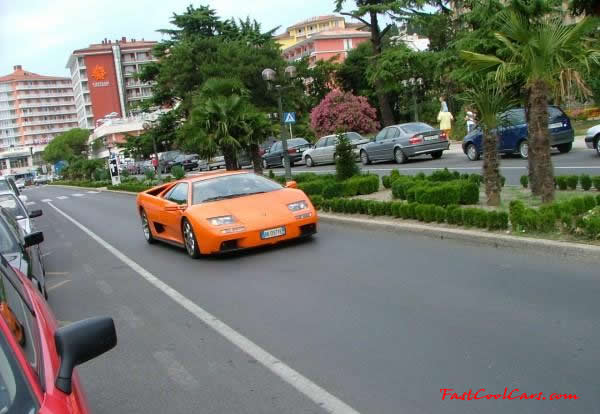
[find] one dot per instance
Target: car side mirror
(291, 184)
(79, 342)
(35, 213)
(23, 198)
(34, 239)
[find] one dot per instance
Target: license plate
(432, 137)
(555, 125)
(268, 234)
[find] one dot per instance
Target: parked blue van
(513, 135)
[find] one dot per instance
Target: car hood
(255, 210)
(593, 131)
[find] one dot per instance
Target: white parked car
(592, 138)
(323, 152)
(13, 204)
(20, 183)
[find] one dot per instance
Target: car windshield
(231, 186)
(8, 242)
(179, 158)
(353, 136)
(296, 142)
(416, 127)
(10, 203)
(15, 394)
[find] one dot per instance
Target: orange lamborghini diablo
(225, 211)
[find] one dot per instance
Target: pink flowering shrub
(343, 111)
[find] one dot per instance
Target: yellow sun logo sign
(99, 73)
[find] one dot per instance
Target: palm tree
(545, 52)
(490, 100)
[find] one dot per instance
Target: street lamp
(414, 84)
(269, 76)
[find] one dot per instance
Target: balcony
(46, 104)
(37, 87)
(47, 95)
(49, 131)
(49, 121)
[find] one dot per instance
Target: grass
(581, 127)
(520, 193)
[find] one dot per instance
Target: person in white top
(470, 118)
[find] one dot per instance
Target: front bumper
(589, 142)
(223, 243)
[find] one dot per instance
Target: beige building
(307, 28)
(33, 110)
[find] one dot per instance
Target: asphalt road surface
(380, 321)
(579, 161)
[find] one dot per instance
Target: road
(579, 161)
(381, 321)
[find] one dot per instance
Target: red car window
(16, 396)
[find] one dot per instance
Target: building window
(347, 44)
(19, 162)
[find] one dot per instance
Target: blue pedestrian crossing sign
(289, 117)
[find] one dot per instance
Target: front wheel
(399, 156)
(564, 148)
(189, 238)
(364, 158)
(146, 228)
(524, 149)
(597, 145)
(437, 155)
(472, 152)
(265, 164)
(309, 161)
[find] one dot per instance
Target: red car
(37, 358)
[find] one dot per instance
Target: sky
(40, 35)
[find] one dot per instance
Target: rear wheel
(437, 155)
(564, 148)
(364, 158)
(146, 228)
(189, 238)
(597, 145)
(265, 164)
(309, 161)
(399, 156)
(524, 149)
(472, 152)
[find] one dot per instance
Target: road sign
(289, 117)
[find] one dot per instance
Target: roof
(21, 74)
(107, 45)
(316, 19)
(331, 34)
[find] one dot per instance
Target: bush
(476, 179)
(178, 172)
(524, 181)
(440, 194)
(572, 181)
(561, 182)
(368, 184)
(591, 227)
(589, 201)
(332, 189)
(586, 182)
(440, 214)
(311, 188)
(497, 220)
(396, 208)
(502, 180)
(596, 182)
(271, 175)
(316, 200)
(441, 175)
(304, 177)
(400, 187)
(516, 213)
(385, 180)
(345, 166)
(150, 174)
(394, 175)
(469, 192)
(454, 215)
(578, 205)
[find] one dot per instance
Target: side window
(321, 142)
(275, 147)
(179, 194)
(554, 113)
(381, 135)
(394, 133)
(331, 141)
(514, 117)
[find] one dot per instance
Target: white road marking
(30, 203)
(62, 197)
(77, 195)
(59, 284)
(46, 200)
(104, 287)
(318, 395)
(93, 192)
(176, 371)
(56, 273)
(126, 314)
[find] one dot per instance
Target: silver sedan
(324, 150)
(400, 142)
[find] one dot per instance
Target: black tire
(437, 155)
(309, 161)
(146, 228)
(523, 149)
(364, 158)
(399, 156)
(564, 148)
(597, 144)
(472, 152)
(189, 239)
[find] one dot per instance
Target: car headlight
(221, 220)
(298, 205)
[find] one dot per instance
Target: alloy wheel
(190, 241)
(524, 149)
(472, 152)
(145, 226)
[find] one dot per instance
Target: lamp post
(414, 84)
(269, 76)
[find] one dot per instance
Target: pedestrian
(470, 118)
(155, 164)
(445, 118)
(444, 105)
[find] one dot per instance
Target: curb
(552, 247)
(99, 189)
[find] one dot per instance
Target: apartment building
(33, 110)
(326, 45)
(103, 80)
(304, 29)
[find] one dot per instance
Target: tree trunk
(230, 157)
(385, 109)
(491, 171)
(540, 140)
(256, 158)
(531, 157)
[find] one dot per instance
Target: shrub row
(452, 214)
(328, 188)
(443, 193)
(77, 183)
(131, 187)
(570, 182)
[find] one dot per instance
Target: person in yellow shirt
(445, 119)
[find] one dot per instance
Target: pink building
(326, 45)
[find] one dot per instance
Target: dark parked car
(22, 250)
(513, 134)
(189, 162)
(274, 157)
(400, 142)
(164, 158)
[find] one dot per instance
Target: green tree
(490, 100)
(352, 73)
(544, 52)
(67, 146)
(345, 163)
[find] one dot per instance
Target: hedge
(329, 188)
(87, 184)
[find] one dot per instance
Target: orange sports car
(225, 211)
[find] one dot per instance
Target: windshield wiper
(223, 197)
(256, 192)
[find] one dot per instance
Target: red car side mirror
(291, 184)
